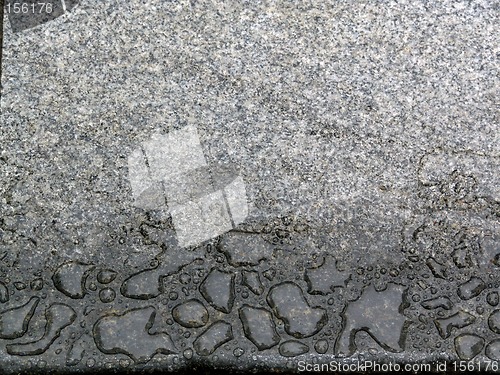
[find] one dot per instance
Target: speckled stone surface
(367, 136)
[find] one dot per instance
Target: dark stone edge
(208, 367)
(2, 7)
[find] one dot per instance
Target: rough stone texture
(259, 327)
(130, 334)
(366, 134)
(190, 314)
(14, 322)
(468, 346)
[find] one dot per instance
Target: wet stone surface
(218, 290)
(190, 314)
(216, 335)
(58, 316)
(438, 302)
(106, 276)
(251, 279)
(380, 314)
(70, 279)
(129, 334)
(471, 288)
(325, 278)
(468, 346)
(293, 348)
(350, 149)
(14, 322)
(259, 327)
(289, 304)
(492, 350)
(459, 320)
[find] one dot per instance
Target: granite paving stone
(267, 185)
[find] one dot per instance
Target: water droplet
(107, 295)
(188, 353)
(238, 352)
(185, 278)
(394, 272)
(90, 362)
(19, 285)
(173, 296)
(92, 286)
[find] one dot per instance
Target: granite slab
(249, 186)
